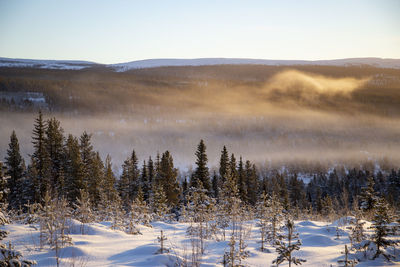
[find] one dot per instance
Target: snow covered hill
(151, 63)
(164, 62)
(45, 64)
(101, 246)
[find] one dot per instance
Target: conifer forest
(199, 133)
(62, 197)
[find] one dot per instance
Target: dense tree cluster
(68, 169)
(66, 166)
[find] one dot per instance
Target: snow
(152, 63)
(101, 246)
(45, 64)
(163, 62)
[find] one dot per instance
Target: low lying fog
(281, 121)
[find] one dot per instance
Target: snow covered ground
(101, 246)
(164, 62)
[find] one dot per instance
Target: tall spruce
(41, 157)
(109, 181)
(15, 169)
(224, 165)
(215, 185)
(242, 186)
(55, 150)
(168, 179)
(251, 182)
(201, 174)
(95, 182)
(87, 155)
(73, 169)
(133, 176)
(144, 182)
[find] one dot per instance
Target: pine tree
(4, 191)
(161, 239)
(95, 182)
(87, 156)
(168, 179)
(233, 169)
(275, 211)
(150, 171)
(346, 262)
(15, 169)
(159, 202)
(73, 169)
(145, 184)
(215, 185)
(83, 210)
(241, 181)
(357, 234)
(368, 196)
(380, 225)
(224, 165)
(123, 183)
(251, 182)
(55, 150)
(109, 181)
(41, 157)
(284, 249)
(262, 213)
(133, 176)
(199, 209)
(201, 173)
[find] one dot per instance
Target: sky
(120, 30)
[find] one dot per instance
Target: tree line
(65, 165)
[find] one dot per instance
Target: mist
(292, 117)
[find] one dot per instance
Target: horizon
(221, 58)
(124, 31)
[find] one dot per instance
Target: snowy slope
(45, 64)
(101, 246)
(151, 63)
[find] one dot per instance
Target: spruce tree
(144, 182)
(285, 249)
(242, 186)
(150, 171)
(380, 225)
(133, 176)
(87, 156)
(201, 173)
(123, 183)
(368, 196)
(95, 182)
(215, 185)
(41, 157)
(168, 179)
(55, 150)
(251, 182)
(109, 181)
(224, 165)
(73, 169)
(15, 169)
(233, 169)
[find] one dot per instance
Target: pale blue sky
(121, 30)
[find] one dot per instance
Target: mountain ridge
(169, 62)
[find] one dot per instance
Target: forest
(66, 178)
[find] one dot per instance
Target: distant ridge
(152, 63)
(45, 64)
(164, 62)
